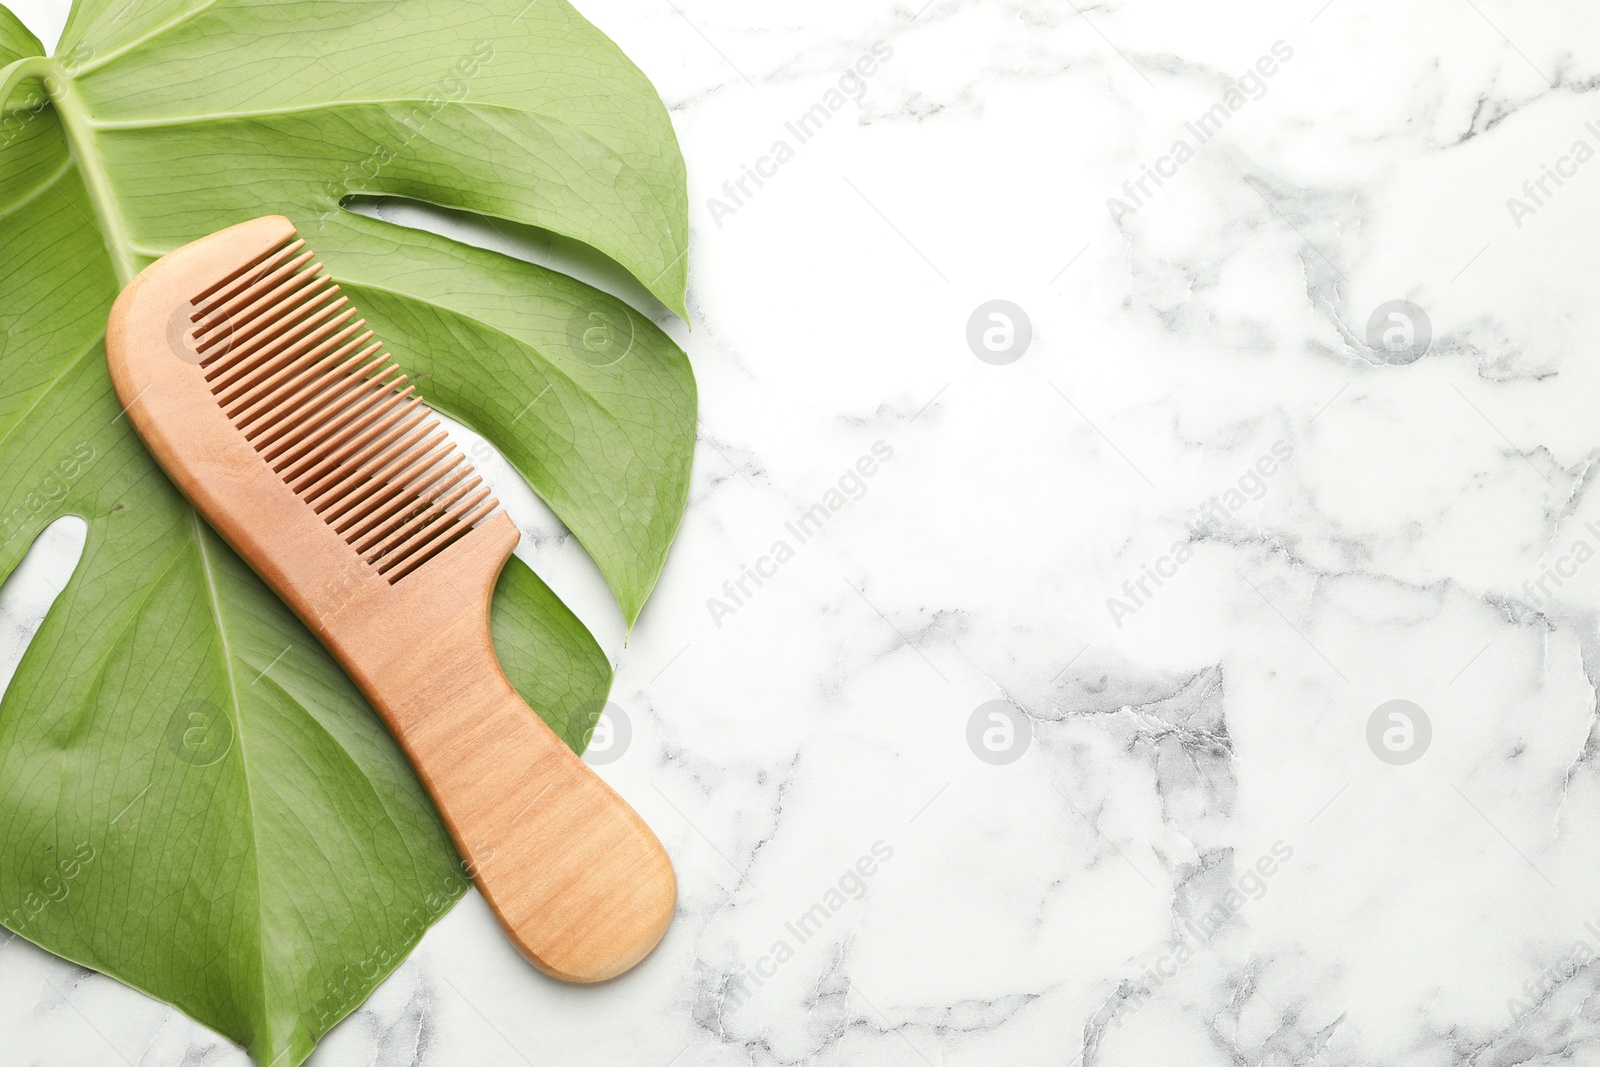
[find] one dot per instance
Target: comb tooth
(239, 398)
(273, 290)
(416, 463)
(430, 527)
(262, 358)
(461, 499)
(377, 511)
(337, 490)
(266, 309)
(292, 367)
(439, 476)
(376, 515)
(244, 388)
(250, 354)
(294, 352)
(290, 415)
(454, 482)
(275, 270)
(247, 404)
(426, 480)
(327, 425)
(363, 419)
(439, 524)
(278, 427)
(441, 483)
(378, 526)
(227, 310)
(375, 418)
(263, 346)
(246, 275)
(467, 518)
(394, 499)
(322, 401)
(334, 492)
(362, 530)
(457, 529)
(329, 411)
(423, 512)
(232, 282)
(328, 499)
(242, 356)
(355, 439)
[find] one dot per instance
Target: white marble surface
(1031, 912)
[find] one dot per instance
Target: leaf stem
(76, 124)
(19, 71)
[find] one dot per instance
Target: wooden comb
(259, 391)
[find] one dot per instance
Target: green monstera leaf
(193, 798)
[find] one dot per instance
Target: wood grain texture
(382, 541)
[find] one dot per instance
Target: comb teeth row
(297, 372)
